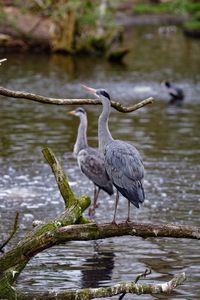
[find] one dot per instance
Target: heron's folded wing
(123, 164)
(92, 165)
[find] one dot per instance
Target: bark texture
(43, 99)
(122, 288)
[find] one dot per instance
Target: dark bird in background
(122, 160)
(90, 161)
(175, 92)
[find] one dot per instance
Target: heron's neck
(81, 140)
(104, 134)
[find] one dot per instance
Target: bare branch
(42, 99)
(12, 233)
(102, 292)
(143, 275)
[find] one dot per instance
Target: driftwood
(42, 99)
(62, 229)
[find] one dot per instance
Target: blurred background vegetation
(75, 26)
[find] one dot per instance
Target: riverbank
(30, 31)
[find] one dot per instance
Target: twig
(144, 274)
(42, 99)
(14, 229)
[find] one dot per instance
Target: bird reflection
(98, 268)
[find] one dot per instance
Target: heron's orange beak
(89, 89)
(72, 112)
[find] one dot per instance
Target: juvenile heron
(175, 92)
(90, 160)
(122, 160)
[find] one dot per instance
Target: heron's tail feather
(135, 194)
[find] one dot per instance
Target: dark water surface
(167, 137)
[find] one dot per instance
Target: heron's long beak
(89, 89)
(72, 112)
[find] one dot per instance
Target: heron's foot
(91, 211)
(114, 222)
(96, 205)
(128, 221)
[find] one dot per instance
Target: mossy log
(42, 237)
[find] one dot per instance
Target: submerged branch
(102, 292)
(42, 99)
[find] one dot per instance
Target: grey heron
(90, 160)
(175, 92)
(122, 160)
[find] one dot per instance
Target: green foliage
(3, 17)
(151, 8)
(176, 6)
(192, 25)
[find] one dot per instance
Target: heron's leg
(129, 210)
(116, 203)
(94, 204)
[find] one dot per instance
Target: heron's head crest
(167, 83)
(80, 110)
(102, 92)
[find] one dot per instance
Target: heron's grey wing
(125, 168)
(92, 164)
(123, 161)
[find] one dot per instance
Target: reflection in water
(167, 137)
(97, 270)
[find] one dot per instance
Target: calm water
(167, 137)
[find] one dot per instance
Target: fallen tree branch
(61, 179)
(12, 233)
(42, 99)
(91, 293)
(95, 231)
(53, 233)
